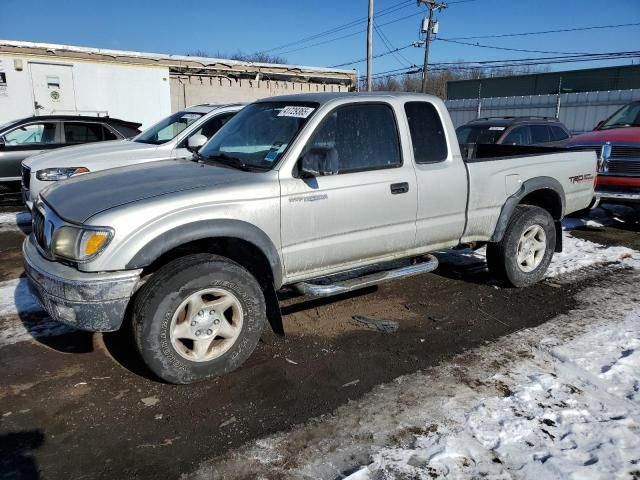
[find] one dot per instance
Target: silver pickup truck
(321, 193)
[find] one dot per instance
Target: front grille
(625, 151)
(26, 176)
(623, 167)
(38, 228)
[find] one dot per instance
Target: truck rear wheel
(523, 255)
(198, 317)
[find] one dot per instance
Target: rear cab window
(427, 132)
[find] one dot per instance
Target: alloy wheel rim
(531, 248)
(206, 324)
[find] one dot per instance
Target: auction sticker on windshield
(497, 128)
(296, 111)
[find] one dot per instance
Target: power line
(545, 32)
(391, 48)
(324, 42)
(377, 55)
(386, 11)
(450, 40)
(518, 62)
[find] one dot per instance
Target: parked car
(616, 141)
(28, 136)
(175, 136)
(292, 191)
(544, 131)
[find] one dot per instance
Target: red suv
(616, 141)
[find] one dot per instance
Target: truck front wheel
(523, 255)
(199, 316)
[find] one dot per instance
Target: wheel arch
(544, 192)
(239, 241)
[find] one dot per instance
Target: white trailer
(35, 85)
(41, 78)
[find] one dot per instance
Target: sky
(216, 26)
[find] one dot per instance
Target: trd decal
(587, 177)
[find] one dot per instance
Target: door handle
(397, 188)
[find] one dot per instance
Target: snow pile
(11, 220)
(18, 310)
(558, 401)
(16, 298)
(571, 412)
(576, 254)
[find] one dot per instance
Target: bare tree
(438, 78)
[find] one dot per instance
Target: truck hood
(613, 135)
(94, 156)
(79, 198)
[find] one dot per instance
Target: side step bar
(428, 264)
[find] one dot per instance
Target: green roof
(588, 80)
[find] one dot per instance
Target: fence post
(558, 100)
(479, 99)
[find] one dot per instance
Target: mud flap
(558, 237)
(274, 315)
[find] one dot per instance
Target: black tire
(160, 297)
(502, 257)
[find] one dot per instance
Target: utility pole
(370, 46)
(432, 5)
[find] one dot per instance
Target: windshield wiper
(229, 161)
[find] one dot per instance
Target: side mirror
(599, 124)
(2, 144)
(318, 162)
(195, 142)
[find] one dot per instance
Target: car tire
(192, 302)
(523, 255)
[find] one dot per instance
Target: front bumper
(618, 189)
(89, 301)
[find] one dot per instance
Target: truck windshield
(627, 116)
(168, 128)
(479, 133)
(258, 136)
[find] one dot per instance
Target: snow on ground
(559, 401)
(12, 220)
(576, 254)
(17, 307)
(16, 298)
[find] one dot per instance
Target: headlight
(54, 174)
(80, 244)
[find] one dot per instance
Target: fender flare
(528, 186)
(209, 229)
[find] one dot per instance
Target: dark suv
(546, 131)
(22, 138)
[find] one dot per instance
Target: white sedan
(176, 136)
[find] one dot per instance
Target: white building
(38, 78)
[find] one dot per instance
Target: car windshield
(168, 128)
(627, 116)
(479, 133)
(258, 136)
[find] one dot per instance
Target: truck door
(365, 209)
(441, 177)
(53, 89)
